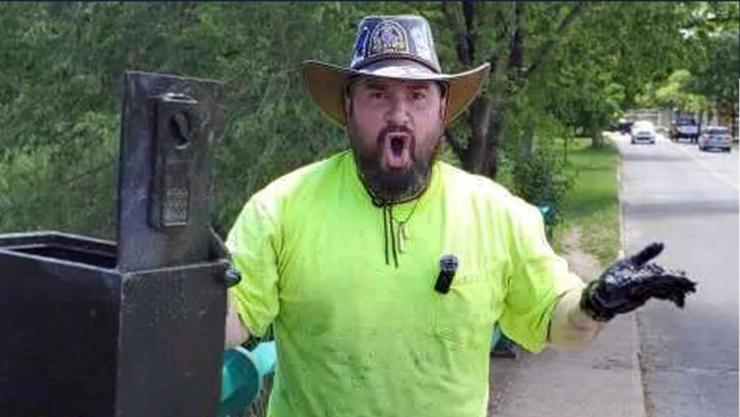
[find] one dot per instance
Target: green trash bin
(549, 217)
(502, 346)
(243, 377)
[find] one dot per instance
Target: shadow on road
(653, 157)
(681, 208)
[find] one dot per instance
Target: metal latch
(177, 127)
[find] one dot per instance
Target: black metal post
(132, 328)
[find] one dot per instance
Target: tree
(498, 33)
(557, 68)
(706, 80)
(716, 78)
(674, 93)
(604, 50)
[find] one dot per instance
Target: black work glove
(218, 249)
(628, 283)
(232, 276)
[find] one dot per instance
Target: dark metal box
(80, 338)
(132, 328)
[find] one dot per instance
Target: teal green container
(496, 336)
(243, 376)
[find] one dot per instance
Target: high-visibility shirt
(359, 336)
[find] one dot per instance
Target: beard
(394, 186)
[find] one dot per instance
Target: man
(383, 270)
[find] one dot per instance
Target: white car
(715, 137)
(642, 131)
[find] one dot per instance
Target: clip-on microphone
(447, 268)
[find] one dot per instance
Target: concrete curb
(620, 253)
(638, 384)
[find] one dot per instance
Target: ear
(347, 104)
(443, 107)
(444, 94)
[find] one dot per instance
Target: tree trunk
(498, 119)
(597, 139)
(477, 156)
(488, 113)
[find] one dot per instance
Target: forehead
(387, 84)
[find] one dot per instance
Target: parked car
(642, 131)
(684, 128)
(715, 137)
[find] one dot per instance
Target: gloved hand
(628, 283)
(219, 250)
(232, 276)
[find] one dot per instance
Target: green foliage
(674, 92)
(716, 76)
(63, 183)
(713, 82)
(592, 205)
(533, 162)
(603, 67)
(61, 63)
(542, 179)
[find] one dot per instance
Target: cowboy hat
(398, 47)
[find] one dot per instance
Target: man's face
(395, 128)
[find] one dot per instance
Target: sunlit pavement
(662, 361)
(675, 193)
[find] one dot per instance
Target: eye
(418, 95)
(377, 94)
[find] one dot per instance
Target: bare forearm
(236, 332)
(570, 327)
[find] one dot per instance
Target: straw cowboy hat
(398, 47)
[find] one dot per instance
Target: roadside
(592, 206)
(603, 379)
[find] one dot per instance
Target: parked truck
(684, 128)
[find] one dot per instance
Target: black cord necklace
(403, 232)
(397, 240)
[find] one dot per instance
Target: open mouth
(397, 150)
(397, 145)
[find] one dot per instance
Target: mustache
(394, 129)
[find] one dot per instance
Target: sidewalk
(603, 380)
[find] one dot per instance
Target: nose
(398, 112)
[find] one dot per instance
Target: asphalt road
(672, 192)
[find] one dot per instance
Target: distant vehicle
(684, 128)
(642, 131)
(624, 126)
(717, 137)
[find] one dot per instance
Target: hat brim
(327, 82)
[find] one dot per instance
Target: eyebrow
(375, 85)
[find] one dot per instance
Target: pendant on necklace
(402, 237)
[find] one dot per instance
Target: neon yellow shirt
(358, 337)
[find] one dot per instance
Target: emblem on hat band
(388, 37)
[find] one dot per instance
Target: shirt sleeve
(254, 243)
(538, 279)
